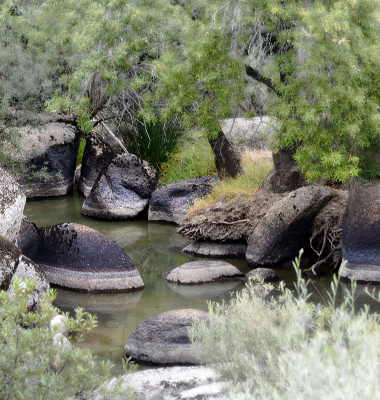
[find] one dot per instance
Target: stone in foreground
(12, 202)
(171, 202)
(78, 257)
(209, 248)
(285, 229)
(203, 272)
(172, 382)
(122, 190)
(164, 339)
(263, 275)
(361, 231)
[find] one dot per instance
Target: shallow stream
(154, 248)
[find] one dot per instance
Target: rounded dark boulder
(209, 248)
(78, 257)
(263, 275)
(122, 190)
(164, 338)
(171, 202)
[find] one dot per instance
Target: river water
(154, 248)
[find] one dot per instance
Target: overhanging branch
(254, 74)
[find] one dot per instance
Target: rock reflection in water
(207, 289)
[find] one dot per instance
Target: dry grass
(257, 165)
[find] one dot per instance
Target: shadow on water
(154, 248)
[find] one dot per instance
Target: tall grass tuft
(288, 348)
(152, 142)
(192, 158)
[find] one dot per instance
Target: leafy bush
(36, 362)
(287, 348)
(192, 158)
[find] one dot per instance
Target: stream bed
(154, 248)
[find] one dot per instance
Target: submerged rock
(262, 275)
(51, 153)
(122, 190)
(208, 248)
(361, 231)
(206, 291)
(203, 271)
(172, 382)
(164, 338)
(78, 257)
(171, 202)
(12, 202)
(285, 229)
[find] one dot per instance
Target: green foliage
(37, 362)
(285, 348)
(153, 142)
(192, 158)
(82, 145)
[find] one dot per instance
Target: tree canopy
(316, 62)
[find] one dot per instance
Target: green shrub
(82, 145)
(287, 348)
(36, 364)
(153, 142)
(192, 158)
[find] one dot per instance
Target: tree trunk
(227, 160)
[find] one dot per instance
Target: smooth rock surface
(202, 272)
(78, 257)
(13, 264)
(12, 202)
(208, 248)
(361, 231)
(53, 148)
(171, 202)
(187, 383)
(285, 229)
(262, 275)
(122, 190)
(164, 339)
(96, 156)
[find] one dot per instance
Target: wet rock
(13, 264)
(164, 339)
(78, 257)
(173, 382)
(285, 175)
(285, 229)
(28, 237)
(96, 155)
(205, 291)
(171, 202)
(202, 272)
(252, 133)
(208, 248)
(51, 153)
(12, 202)
(262, 275)
(228, 220)
(361, 231)
(122, 190)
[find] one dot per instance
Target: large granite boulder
(285, 229)
(164, 338)
(13, 264)
(203, 271)
(361, 231)
(78, 257)
(208, 248)
(186, 383)
(122, 190)
(12, 202)
(50, 152)
(96, 156)
(252, 133)
(171, 202)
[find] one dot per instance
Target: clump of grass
(192, 158)
(82, 145)
(256, 165)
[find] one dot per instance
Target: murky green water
(154, 248)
